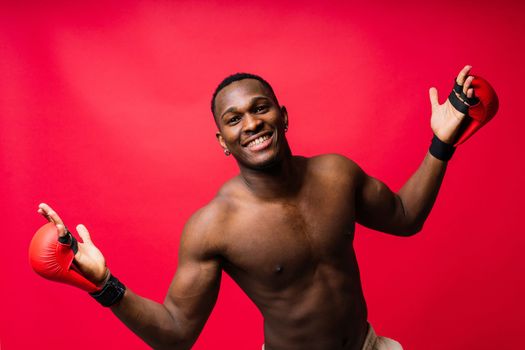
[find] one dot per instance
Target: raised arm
(177, 322)
(401, 213)
(405, 212)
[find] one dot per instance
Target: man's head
(236, 77)
(250, 121)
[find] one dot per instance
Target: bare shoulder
(204, 230)
(336, 166)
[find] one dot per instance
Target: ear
(284, 113)
(221, 140)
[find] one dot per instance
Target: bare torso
(294, 258)
(283, 229)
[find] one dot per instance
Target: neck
(280, 180)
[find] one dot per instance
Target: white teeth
(258, 140)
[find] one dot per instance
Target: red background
(104, 114)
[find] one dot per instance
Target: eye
(234, 120)
(260, 109)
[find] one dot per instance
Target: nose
(252, 124)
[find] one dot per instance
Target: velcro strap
(458, 88)
(459, 105)
(471, 101)
(111, 293)
(68, 239)
(441, 150)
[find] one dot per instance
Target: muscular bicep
(378, 207)
(195, 286)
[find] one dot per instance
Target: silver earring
(227, 152)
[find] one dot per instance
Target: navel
(278, 268)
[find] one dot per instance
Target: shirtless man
(283, 229)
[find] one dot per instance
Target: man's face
(251, 123)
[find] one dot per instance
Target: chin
(262, 164)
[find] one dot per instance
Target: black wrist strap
(111, 293)
(441, 150)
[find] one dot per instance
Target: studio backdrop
(105, 115)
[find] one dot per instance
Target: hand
(446, 120)
(88, 259)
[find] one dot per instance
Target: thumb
(433, 94)
(84, 234)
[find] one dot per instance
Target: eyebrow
(233, 108)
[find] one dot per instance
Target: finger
(61, 229)
(470, 93)
(53, 217)
(433, 94)
(49, 213)
(84, 234)
(44, 214)
(467, 84)
(463, 74)
(43, 209)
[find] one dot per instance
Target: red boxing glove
(480, 113)
(53, 260)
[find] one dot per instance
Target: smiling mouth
(260, 143)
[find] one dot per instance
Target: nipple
(278, 268)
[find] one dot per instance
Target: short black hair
(236, 77)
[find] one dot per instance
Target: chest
(284, 239)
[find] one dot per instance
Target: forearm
(418, 194)
(405, 212)
(151, 321)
